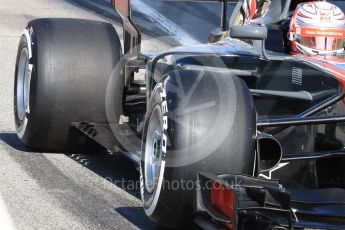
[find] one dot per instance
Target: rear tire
(196, 122)
(62, 72)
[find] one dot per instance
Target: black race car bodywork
(299, 101)
(262, 131)
(298, 178)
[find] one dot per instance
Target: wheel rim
(23, 86)
(153, 149)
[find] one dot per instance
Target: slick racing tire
(195, 122)
(61, 76)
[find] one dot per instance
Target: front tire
(62, 72)
(196, 122)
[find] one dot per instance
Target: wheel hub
(23, 84)
(153, 149)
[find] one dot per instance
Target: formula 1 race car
(245, 132)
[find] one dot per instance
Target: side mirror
(249, 32)
(122, 7)
(258, 34)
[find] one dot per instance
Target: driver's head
(317, 28)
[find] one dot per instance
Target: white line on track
(5, 218)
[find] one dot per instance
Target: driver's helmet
(317, 28)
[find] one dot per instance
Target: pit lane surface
(58, 191)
